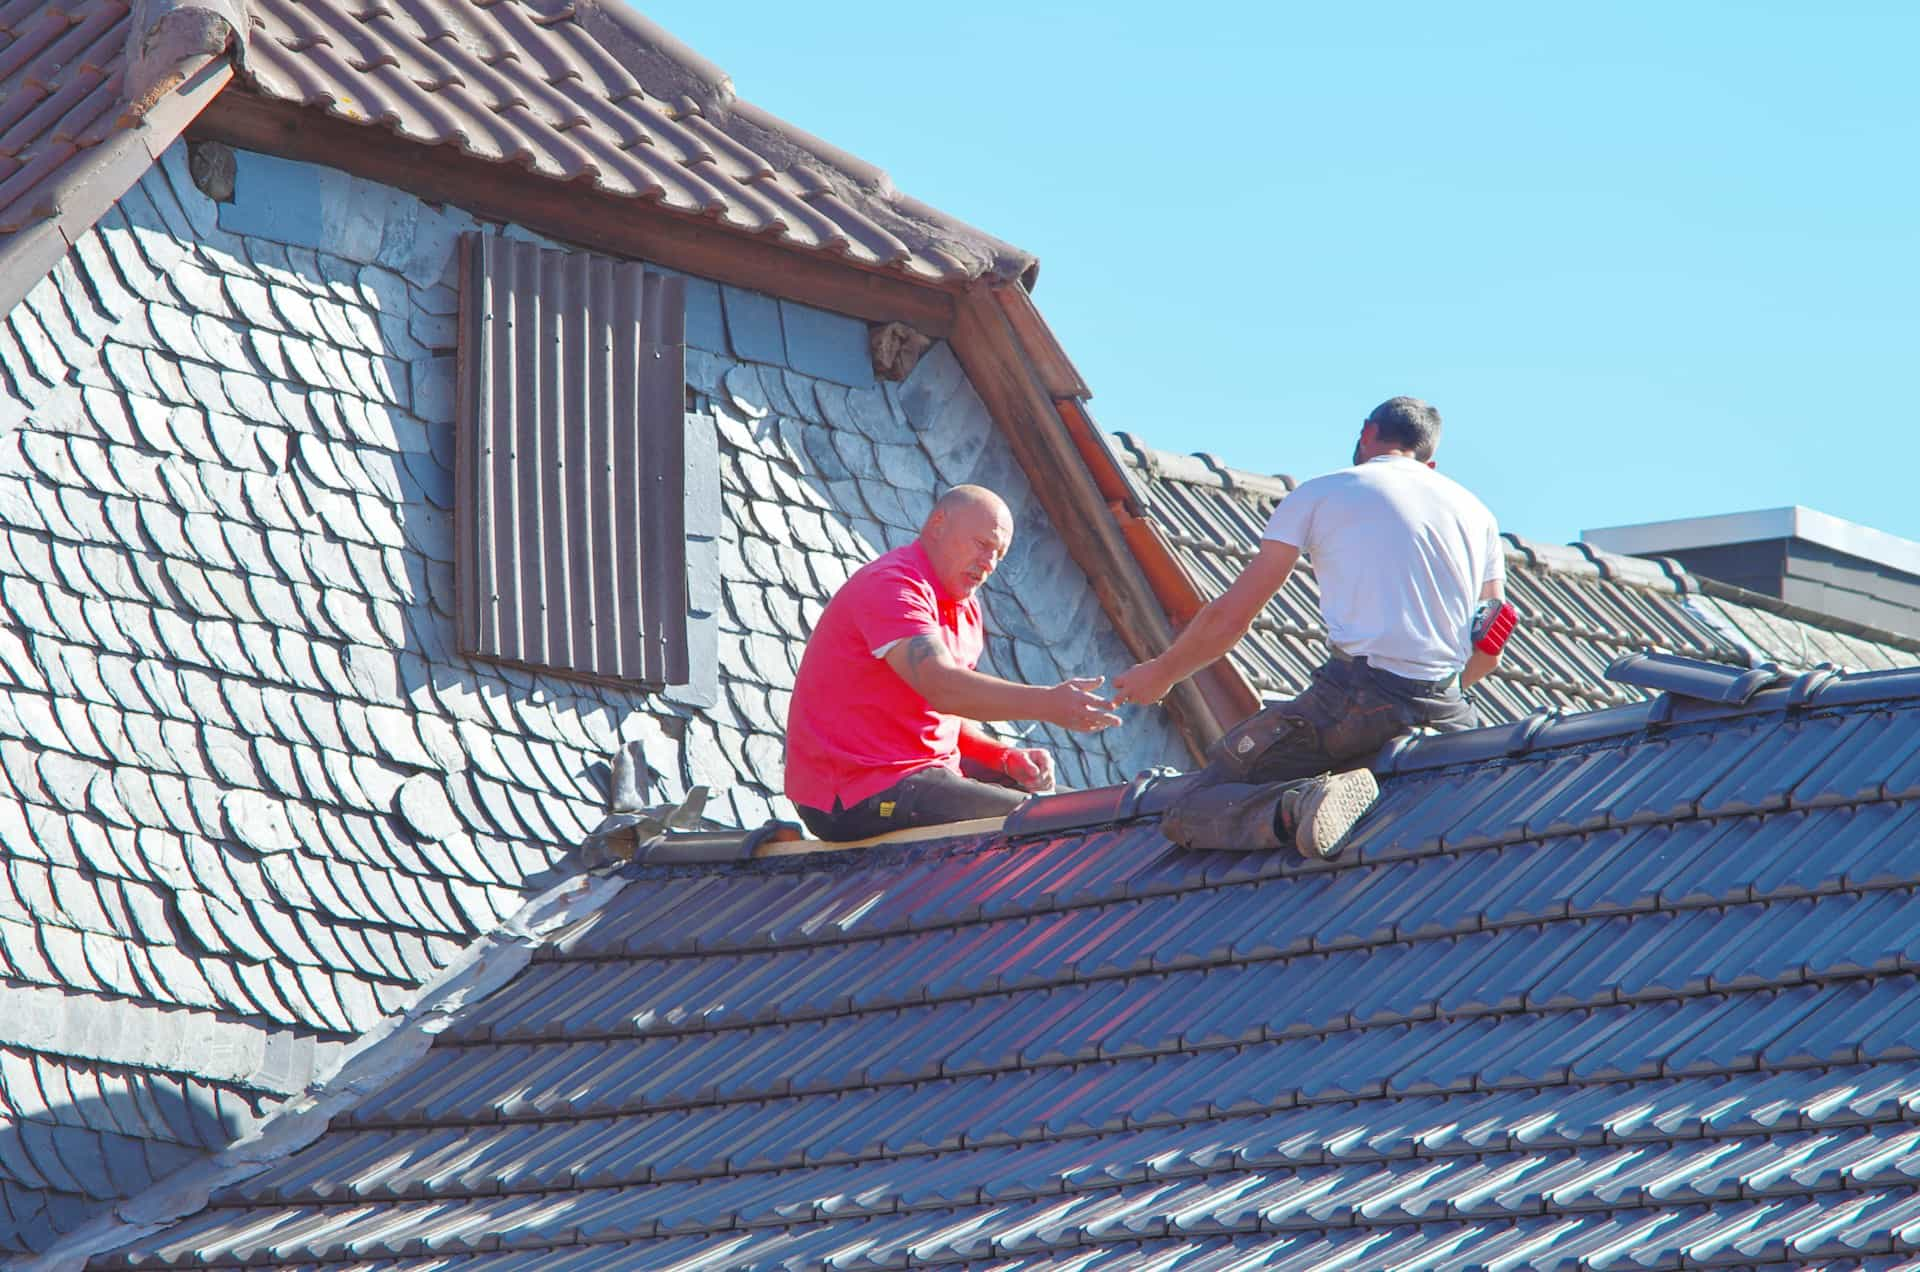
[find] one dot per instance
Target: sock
(1283, 818)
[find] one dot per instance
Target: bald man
(883, 732)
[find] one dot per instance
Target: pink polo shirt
(855, 727)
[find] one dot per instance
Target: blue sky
(1649, 260)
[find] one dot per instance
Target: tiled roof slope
(80, 121)
(252, 797)
(589, 90)
(1581, 608)
(563, 89)
(1639, 993)
(62, 80)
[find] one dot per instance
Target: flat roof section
(1652, 538)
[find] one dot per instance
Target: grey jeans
(1340, 721)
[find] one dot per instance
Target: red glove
(1493, 622)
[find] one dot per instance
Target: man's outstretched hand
(1032, 768)
(1073, 704)
(1142, 683)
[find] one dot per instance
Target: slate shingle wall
(1647, 1001)
(247, 779)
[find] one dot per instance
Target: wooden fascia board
(1096, 450)
(1043, 350)
(573, 212)
(995, 362)
(1229, 694)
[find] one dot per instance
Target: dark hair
(1407, 423)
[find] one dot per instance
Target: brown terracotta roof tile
(585, 91)
(592, 91)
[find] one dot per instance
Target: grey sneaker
(1323, 810)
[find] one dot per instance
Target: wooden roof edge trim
(1043, 348)
(573, 212)
(1103, 461)
(1230, 696)
(996, 362)
(1228, 693)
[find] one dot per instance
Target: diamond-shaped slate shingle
(1541, 1011)
(1580, 608)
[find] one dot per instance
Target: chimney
(1809, 559)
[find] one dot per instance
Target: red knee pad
(1493, 622)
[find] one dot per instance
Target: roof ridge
(166, 40)
(1688, 697)
(1200, 468)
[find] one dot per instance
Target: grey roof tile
(224, 983)
(165, 378)
(746, 394)
(252, 302)
(108, 959)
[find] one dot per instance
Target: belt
(1360, 660)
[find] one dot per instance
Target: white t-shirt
(1401, 554)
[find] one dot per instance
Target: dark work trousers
(930, 797)
(1339, 722)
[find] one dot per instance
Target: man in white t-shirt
(1404, 558)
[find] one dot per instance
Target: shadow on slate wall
(63, 1156)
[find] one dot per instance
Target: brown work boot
(1321, 810)
(1226, 817)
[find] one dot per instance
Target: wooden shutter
(571, 552)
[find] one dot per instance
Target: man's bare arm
(1478, 663)
(924, 662)
(1217, 628)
